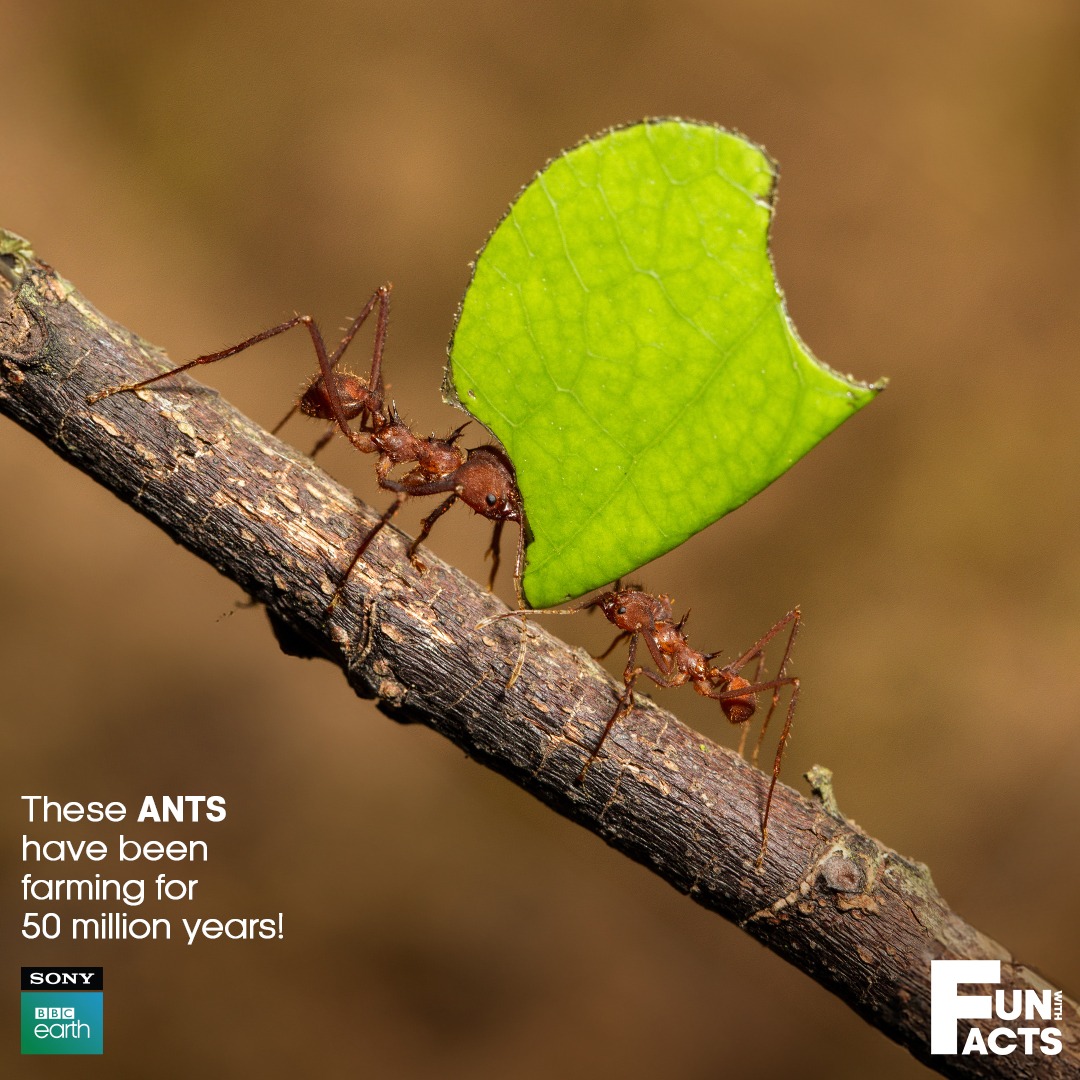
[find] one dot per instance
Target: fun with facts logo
(1024, 1016)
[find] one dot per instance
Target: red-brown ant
(483, 477)
(637, 614)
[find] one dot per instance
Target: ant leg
(622, 707)
(375, 381)
(323, 439)
(361, 440)
(386, 518)
(519, 565)
(756, 688)
(573, 610)
(519, 568)
(425, 528)
(209, 358)
(521, 610)
(759, 675)
(493, 551)
(742, 742)
(333, 393)
(381, 296)
(661, 677)
(493, 548)
(611, 648)
(794, 616)
(780, 748)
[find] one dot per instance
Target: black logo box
(62, 978)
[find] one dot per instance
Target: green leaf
(625, 338)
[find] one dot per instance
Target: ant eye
(621, 611)
(491, 500)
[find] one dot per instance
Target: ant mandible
(640, 615)
(483, 477)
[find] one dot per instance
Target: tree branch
(857, 917)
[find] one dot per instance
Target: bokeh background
(204, 170)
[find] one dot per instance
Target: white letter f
(947, 1006)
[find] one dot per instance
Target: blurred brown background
(203, 171)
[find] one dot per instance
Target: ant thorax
(687, 660)
(399, 444)
(439, 457)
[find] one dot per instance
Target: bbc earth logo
(61, 1010)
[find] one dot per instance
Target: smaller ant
(641, 615)
(483, 477)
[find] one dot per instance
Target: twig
(857, 917)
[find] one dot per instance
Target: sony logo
(58, 978)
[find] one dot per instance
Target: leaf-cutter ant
(640, 615)
(483, 477)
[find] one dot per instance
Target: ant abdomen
(354, 393)
(740, 708)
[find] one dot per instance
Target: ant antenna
(583, 606)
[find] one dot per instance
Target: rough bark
(857, 917)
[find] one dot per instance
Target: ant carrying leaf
(639, 615)
(482, 477)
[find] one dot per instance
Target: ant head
(487, 484)
(633, 610)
